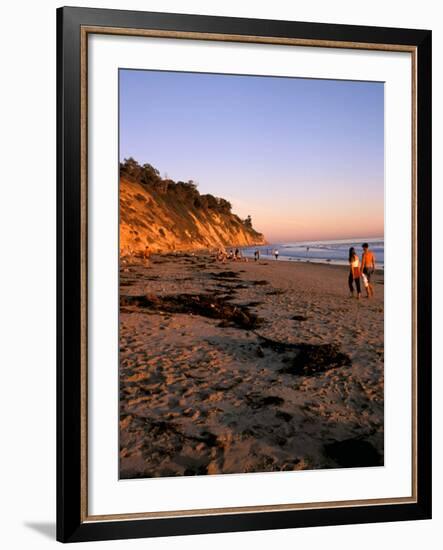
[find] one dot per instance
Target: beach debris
(260, 352)
(205, 305)
(314, 359)
(259, 283)
(252, 304)
(282, 415)
(124, 281)
(231, 286)
(307, 359)
(257, 401)
(275, 292)
(127, 282)
(299, 318)
(224, 275)
(353, 453)
(196, 470)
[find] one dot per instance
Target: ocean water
(334, 252)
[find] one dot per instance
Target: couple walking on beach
(364, 270)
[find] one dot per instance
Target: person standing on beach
(368, 268)
(354, 273)
(276, 254)
(221, 255)
(146, 255)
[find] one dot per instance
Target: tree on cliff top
(188, 193)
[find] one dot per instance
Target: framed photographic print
(244, 274)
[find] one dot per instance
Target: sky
(303, 157)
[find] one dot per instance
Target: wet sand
(247, 367)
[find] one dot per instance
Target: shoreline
(250, 258)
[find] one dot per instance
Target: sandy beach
(247, 367)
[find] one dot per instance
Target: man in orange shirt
(368, 268)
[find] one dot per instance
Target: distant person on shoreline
(354, 273)
(146, 255)
(276, 254)
(368, 269)
(257, 255)
(221, 255)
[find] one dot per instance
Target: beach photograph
(251, 274)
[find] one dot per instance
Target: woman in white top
(354, 273)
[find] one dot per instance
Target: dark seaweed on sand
(314, 359)
(353, 453)
(205, 305)
(257, 401)
(308, 359)
(275, 292)
(224, 275)
(299, 318)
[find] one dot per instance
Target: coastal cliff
(166, 216)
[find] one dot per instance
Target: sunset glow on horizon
(303, 157)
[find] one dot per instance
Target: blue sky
(303, 157)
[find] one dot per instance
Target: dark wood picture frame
(73, 26)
